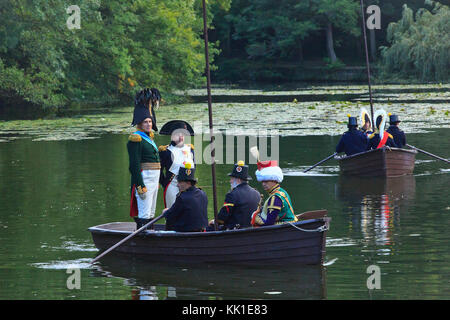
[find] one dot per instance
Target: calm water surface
(52, 191)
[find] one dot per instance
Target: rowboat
(301, 242)
(382, 162)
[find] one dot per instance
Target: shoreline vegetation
(49, 71)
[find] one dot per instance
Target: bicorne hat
(393, 118)
(187, 173)
(169, 127)
(240, 171)
(352, 121)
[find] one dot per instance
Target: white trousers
(171, 192)
(147, 206)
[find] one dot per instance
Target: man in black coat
(394, 130)
(240, 202)
(189, 212)
(353, 141)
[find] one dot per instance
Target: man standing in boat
(189, 212)
(173, 156)
(380, 138)
(240, 202)
(278, 207)
(144, 163)
(395, 131)
(353, 141)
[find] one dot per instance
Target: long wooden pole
(321, 161)
(127, 238)
(208, 88)
(367, 59)
(427, 153)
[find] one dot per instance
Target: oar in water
(322, 161)
(427, 153)
(127, 238)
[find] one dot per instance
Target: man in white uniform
(174, 156)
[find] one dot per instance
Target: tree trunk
(330, 45)
(373, 44)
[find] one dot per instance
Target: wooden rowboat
(302, 242)
(383, 162)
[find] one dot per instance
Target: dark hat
(393, 118)
(352, 122)
(171, 126)
(186, 173)
(240, 171)
(141, 109)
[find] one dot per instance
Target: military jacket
(189, 212)
(374, 140)
(353, 141)
(399, 136)
(139, 151)
(238, 207)
(278, 207)
(172, 158)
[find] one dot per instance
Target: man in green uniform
(144, 164)
(278, 207)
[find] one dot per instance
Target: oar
(128, 238)
(427, 153)
(322, 161)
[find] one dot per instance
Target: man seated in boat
(395, 131)
(380, 138)
(278, 207)
(239, 203)
(189, 212)
(172, 158)
(353, 141)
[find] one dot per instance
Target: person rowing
(395, 131)
(353, 141)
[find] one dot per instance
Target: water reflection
(376, 205)
(151, 280)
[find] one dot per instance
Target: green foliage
(121, 46)
(420, 45)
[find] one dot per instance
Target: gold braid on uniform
(135, 137)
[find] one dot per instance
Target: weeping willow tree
(420, 45)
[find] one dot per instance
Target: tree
(419, 44)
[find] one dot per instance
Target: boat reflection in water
(376, 204)
(152, 280)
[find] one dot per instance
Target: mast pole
(208, 88)
(367, 60)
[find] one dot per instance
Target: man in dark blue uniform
(240, 202)
(189, 212)
(394, 130)
(353, 141)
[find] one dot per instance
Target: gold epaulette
(390, 136)
(191, 146)
(163, 148)
(135, 138)
(372, 135)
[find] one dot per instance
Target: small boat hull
(383, 162)
(278, 244)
